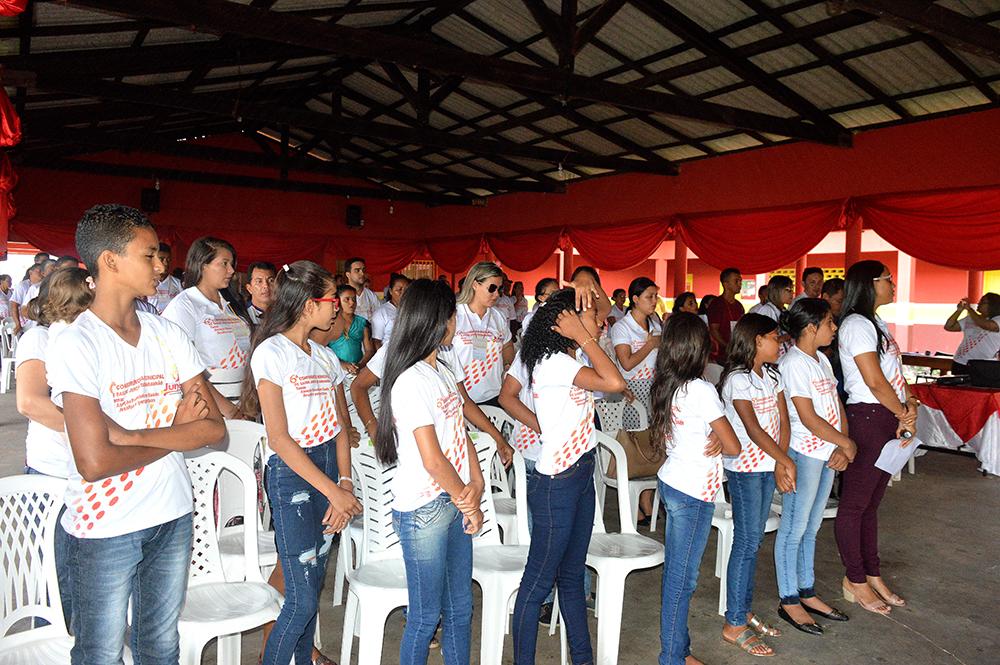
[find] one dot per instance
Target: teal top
(349, 347)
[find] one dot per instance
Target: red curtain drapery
(958, 228)
(12, 7)
(524, 250)
(277, 248)
(10, 122)
(455, 255)
(381, 255)
(618, 246)
(759, 240)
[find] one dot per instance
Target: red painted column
(852, 244)
(800, 265)
(680, 266)
(567, 261)
(976, 286)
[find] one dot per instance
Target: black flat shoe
(810, 628)
(835, 615)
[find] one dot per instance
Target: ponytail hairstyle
(425, 311)
(540, 341)
(776, 287)
(295, 285)
(682, 298)
(802, 313)
(635, 289)
(394, 278)
(682, 357)
(742, 347)
(859, 296)
(62, 296)
(202, 252)
(479, 273)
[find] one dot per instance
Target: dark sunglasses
(492, 288)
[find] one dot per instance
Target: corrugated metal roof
(753, 99)
(939, 102)
(706, 81)
(750, 34)
(510, 18)
(636, 35)
(825, 88)
(905, 69)
(593, 143)
(641, 132)
(457, 31)
(715, 14)
(869, 115)
(736, 142)
(783, 58)
(680, 153)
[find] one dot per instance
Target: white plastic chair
(503, 502)
(217, 607)
(611, 414)
(245, 440)
(496, 567)
(712, 373)
(722, 520)
(377, 586)
(29, 511)
(350, 545)
(9, 352)
(636, 486)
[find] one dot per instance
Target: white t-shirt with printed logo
(857, 336)
(628, 331)
(565, 414)
(220, 336)
(422, 396)
(526, 440)
(367, 304)
(382, 322)
(447, 353)
(479, 344)
(308, 385)
(812, 378)
(168, 289)
(977, 344)
(46, 450)
(763, 392)
(138, 387)
(695, 406)
(19, 295)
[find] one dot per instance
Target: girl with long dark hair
(561, 488)
(203, 311)
(819, 448)
(879, 409)
(438, 481)
(752, 393)
(689, 423)
(297, 385)
(385, 316)
(686, 302)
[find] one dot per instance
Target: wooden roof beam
(219, 17)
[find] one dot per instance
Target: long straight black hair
(682, 357)
(294, 286)
(742, 347)
(859, 295)
(421, 324)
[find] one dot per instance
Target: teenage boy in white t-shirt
(132, 392)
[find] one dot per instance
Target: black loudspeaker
(150, 200)
(353, 217)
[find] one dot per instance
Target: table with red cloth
(961, 417)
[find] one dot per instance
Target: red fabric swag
(618, 246)
(276, 248)
(12, 7)
(759, 240)
(524, 250)
(959, 229)
(10, 123)
(455, 255)
(381, 256)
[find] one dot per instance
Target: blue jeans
(801, 517)
(150, 567)
(298, 509)
(529, 465)
(562, 509)
(689, 521)
(437, 554)
(751, 495)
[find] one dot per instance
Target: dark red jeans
(856, 528)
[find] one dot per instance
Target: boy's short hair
(107, 227)
(67, 261)
(811, 270)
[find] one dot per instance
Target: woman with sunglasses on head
(879, 409)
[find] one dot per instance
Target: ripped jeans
(298, 509)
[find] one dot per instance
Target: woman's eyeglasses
(888, 278)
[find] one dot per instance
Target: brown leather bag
(643, 458)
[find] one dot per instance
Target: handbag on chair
(644, 460)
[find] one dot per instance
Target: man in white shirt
(169, 286)
(812, 284)
(260, 281)
(22, 298)
(356, 274)
(133, 396)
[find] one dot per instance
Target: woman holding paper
(879, 409)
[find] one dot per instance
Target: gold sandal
(762, 628)
(877, 607)
(748, 641)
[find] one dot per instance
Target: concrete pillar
(852, 243)
(906, 269)
(976, 286)
(680, 266)
(800, 266)
(660, 276)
